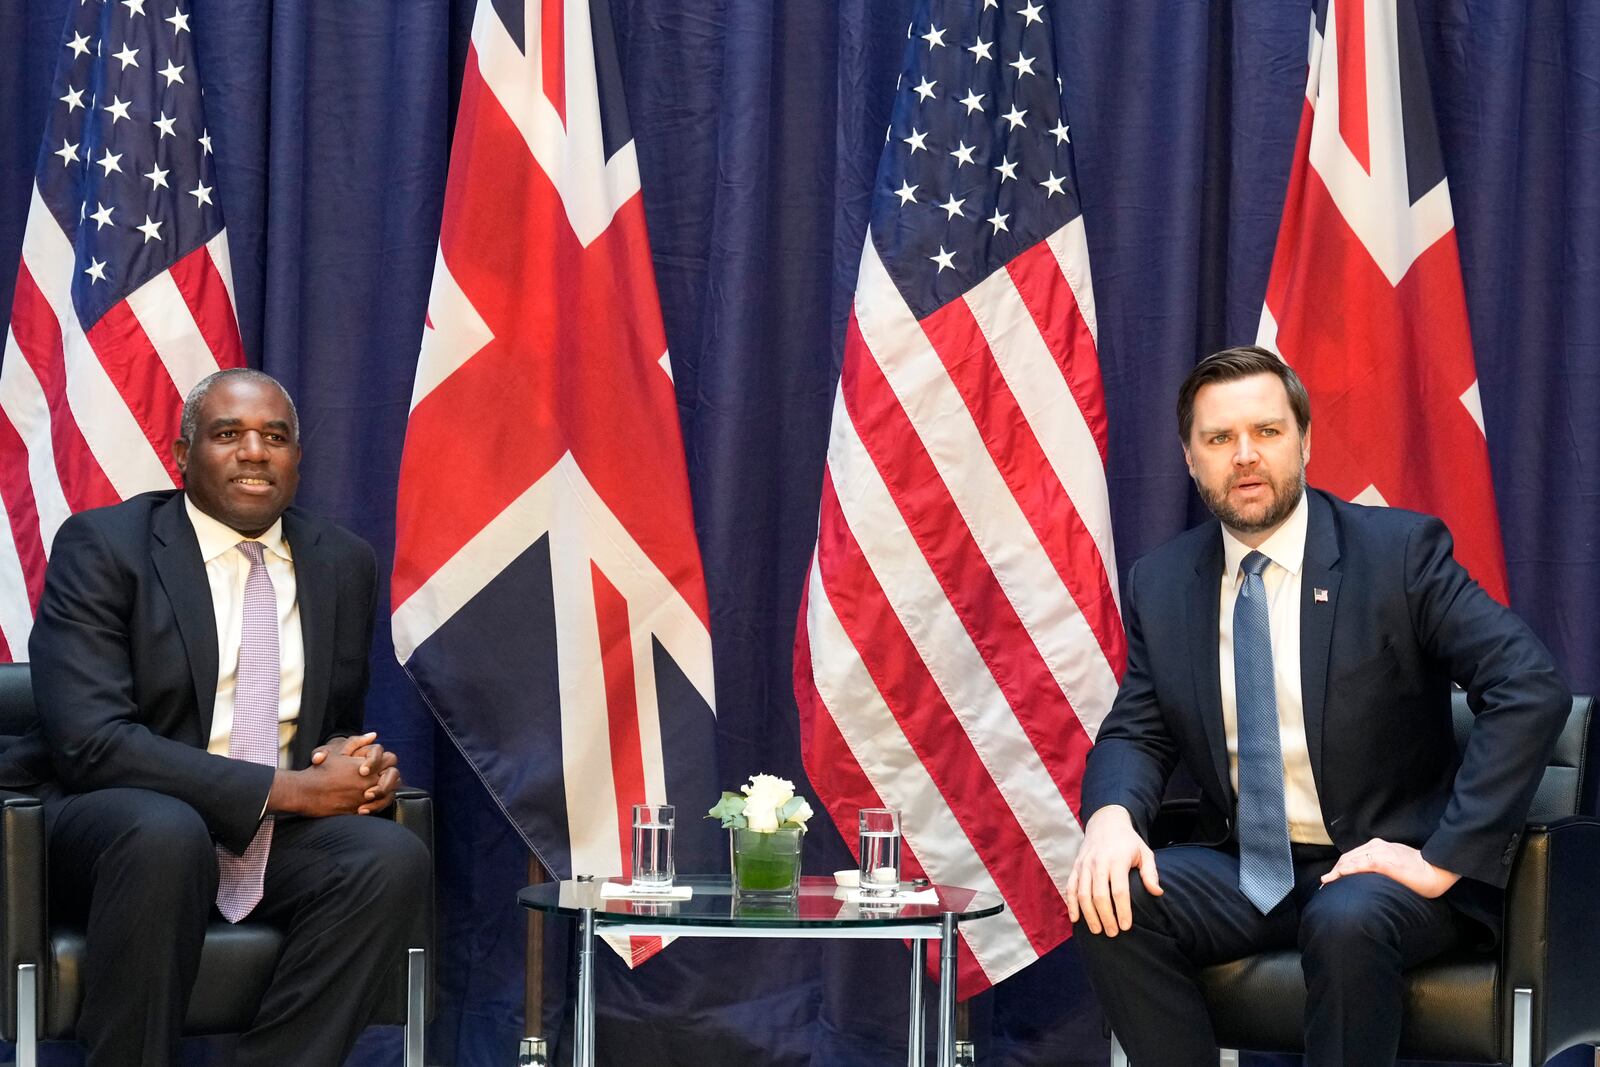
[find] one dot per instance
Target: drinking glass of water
(652, 846)
(880, 851)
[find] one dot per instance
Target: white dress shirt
(226, 571)
(1286, 548)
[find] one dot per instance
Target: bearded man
(1296, 656)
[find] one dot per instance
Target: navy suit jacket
(1401, 621)
(124, 661)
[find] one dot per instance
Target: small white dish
(848, 879)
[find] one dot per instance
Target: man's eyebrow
(1211, 431)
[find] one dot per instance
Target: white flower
(800, 815)
(764, 796)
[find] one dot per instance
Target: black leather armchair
(1537, 995)
(41, 982)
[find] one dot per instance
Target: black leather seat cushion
(1451, 1006)
(236, 964)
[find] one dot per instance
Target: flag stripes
(960, 639)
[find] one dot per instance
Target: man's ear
(180, 454)
(1305, 446)
(1188, 460)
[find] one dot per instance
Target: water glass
(880, 851)
(652, 846)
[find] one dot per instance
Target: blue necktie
(1266, 870)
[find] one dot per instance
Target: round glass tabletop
(820, 903)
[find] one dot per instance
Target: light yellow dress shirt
(226, 571)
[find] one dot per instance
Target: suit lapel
(183, 576)
(315, 590)
(1319, 600)
(1204, 600)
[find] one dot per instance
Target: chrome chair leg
(416, 1005)
(1522, 1028)
(1119, 1058)
(27, 1015)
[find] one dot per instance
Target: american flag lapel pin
(1319, 595)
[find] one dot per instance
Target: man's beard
(1284, 500)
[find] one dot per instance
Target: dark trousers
(140, 870)
(1356, 935)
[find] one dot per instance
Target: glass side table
(821, 911)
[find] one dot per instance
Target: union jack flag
(547, 592)
(960, 639)
(124, 296)
(1365, 299)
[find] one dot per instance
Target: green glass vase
(766, 867)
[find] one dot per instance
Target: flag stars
(1023, 64)
(962, 155)
(944, 259)
(157, 177)
(102, 216)
(135, 7)
(96, 270)
(68, 152)
(925, 90)
(1031, 14)
(179, 20)
(952, 207)
(165, 125)
(917, 140)
(1053, 184)
(79, 44)
(151, 229)
(201, 193)
(117, 109)
(110, 163)
(171, 73)
(1060, 130)
(1007, 169)
(998, 221)
(204, 141)
(934, 37)
(973, 100)
(129, 57)
(907, 193)
(73, 99)
(1014, 117)
(980, 50)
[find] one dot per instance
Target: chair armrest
(1551, 910)
(24, 920)
(413, 809)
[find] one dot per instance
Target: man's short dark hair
(1230, 365)
(189, 421)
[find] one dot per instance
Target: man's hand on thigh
(1097, 888)
(1400, 862)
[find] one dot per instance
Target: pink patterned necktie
(254, 736)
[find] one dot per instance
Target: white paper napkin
(903, 896)
(626, 891)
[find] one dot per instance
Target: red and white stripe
(961, 639)
(87, 416)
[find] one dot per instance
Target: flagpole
(533, 976)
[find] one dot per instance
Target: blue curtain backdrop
(758, 127)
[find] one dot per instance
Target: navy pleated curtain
(759, 126)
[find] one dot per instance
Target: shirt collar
(1286, 547)
(217, 537)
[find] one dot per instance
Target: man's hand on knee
(379, 766)
(336, 784)
(1097, 888)
(1402, 863)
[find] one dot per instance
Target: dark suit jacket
(124, 660)
(1402, 620)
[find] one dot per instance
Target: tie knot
(1254, 563)
(252, 551)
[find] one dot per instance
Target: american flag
(548, 596)
(124, 298)
(1365, 298)
(960, 639)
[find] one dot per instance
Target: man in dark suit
(199, 665)
(1296, 658)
